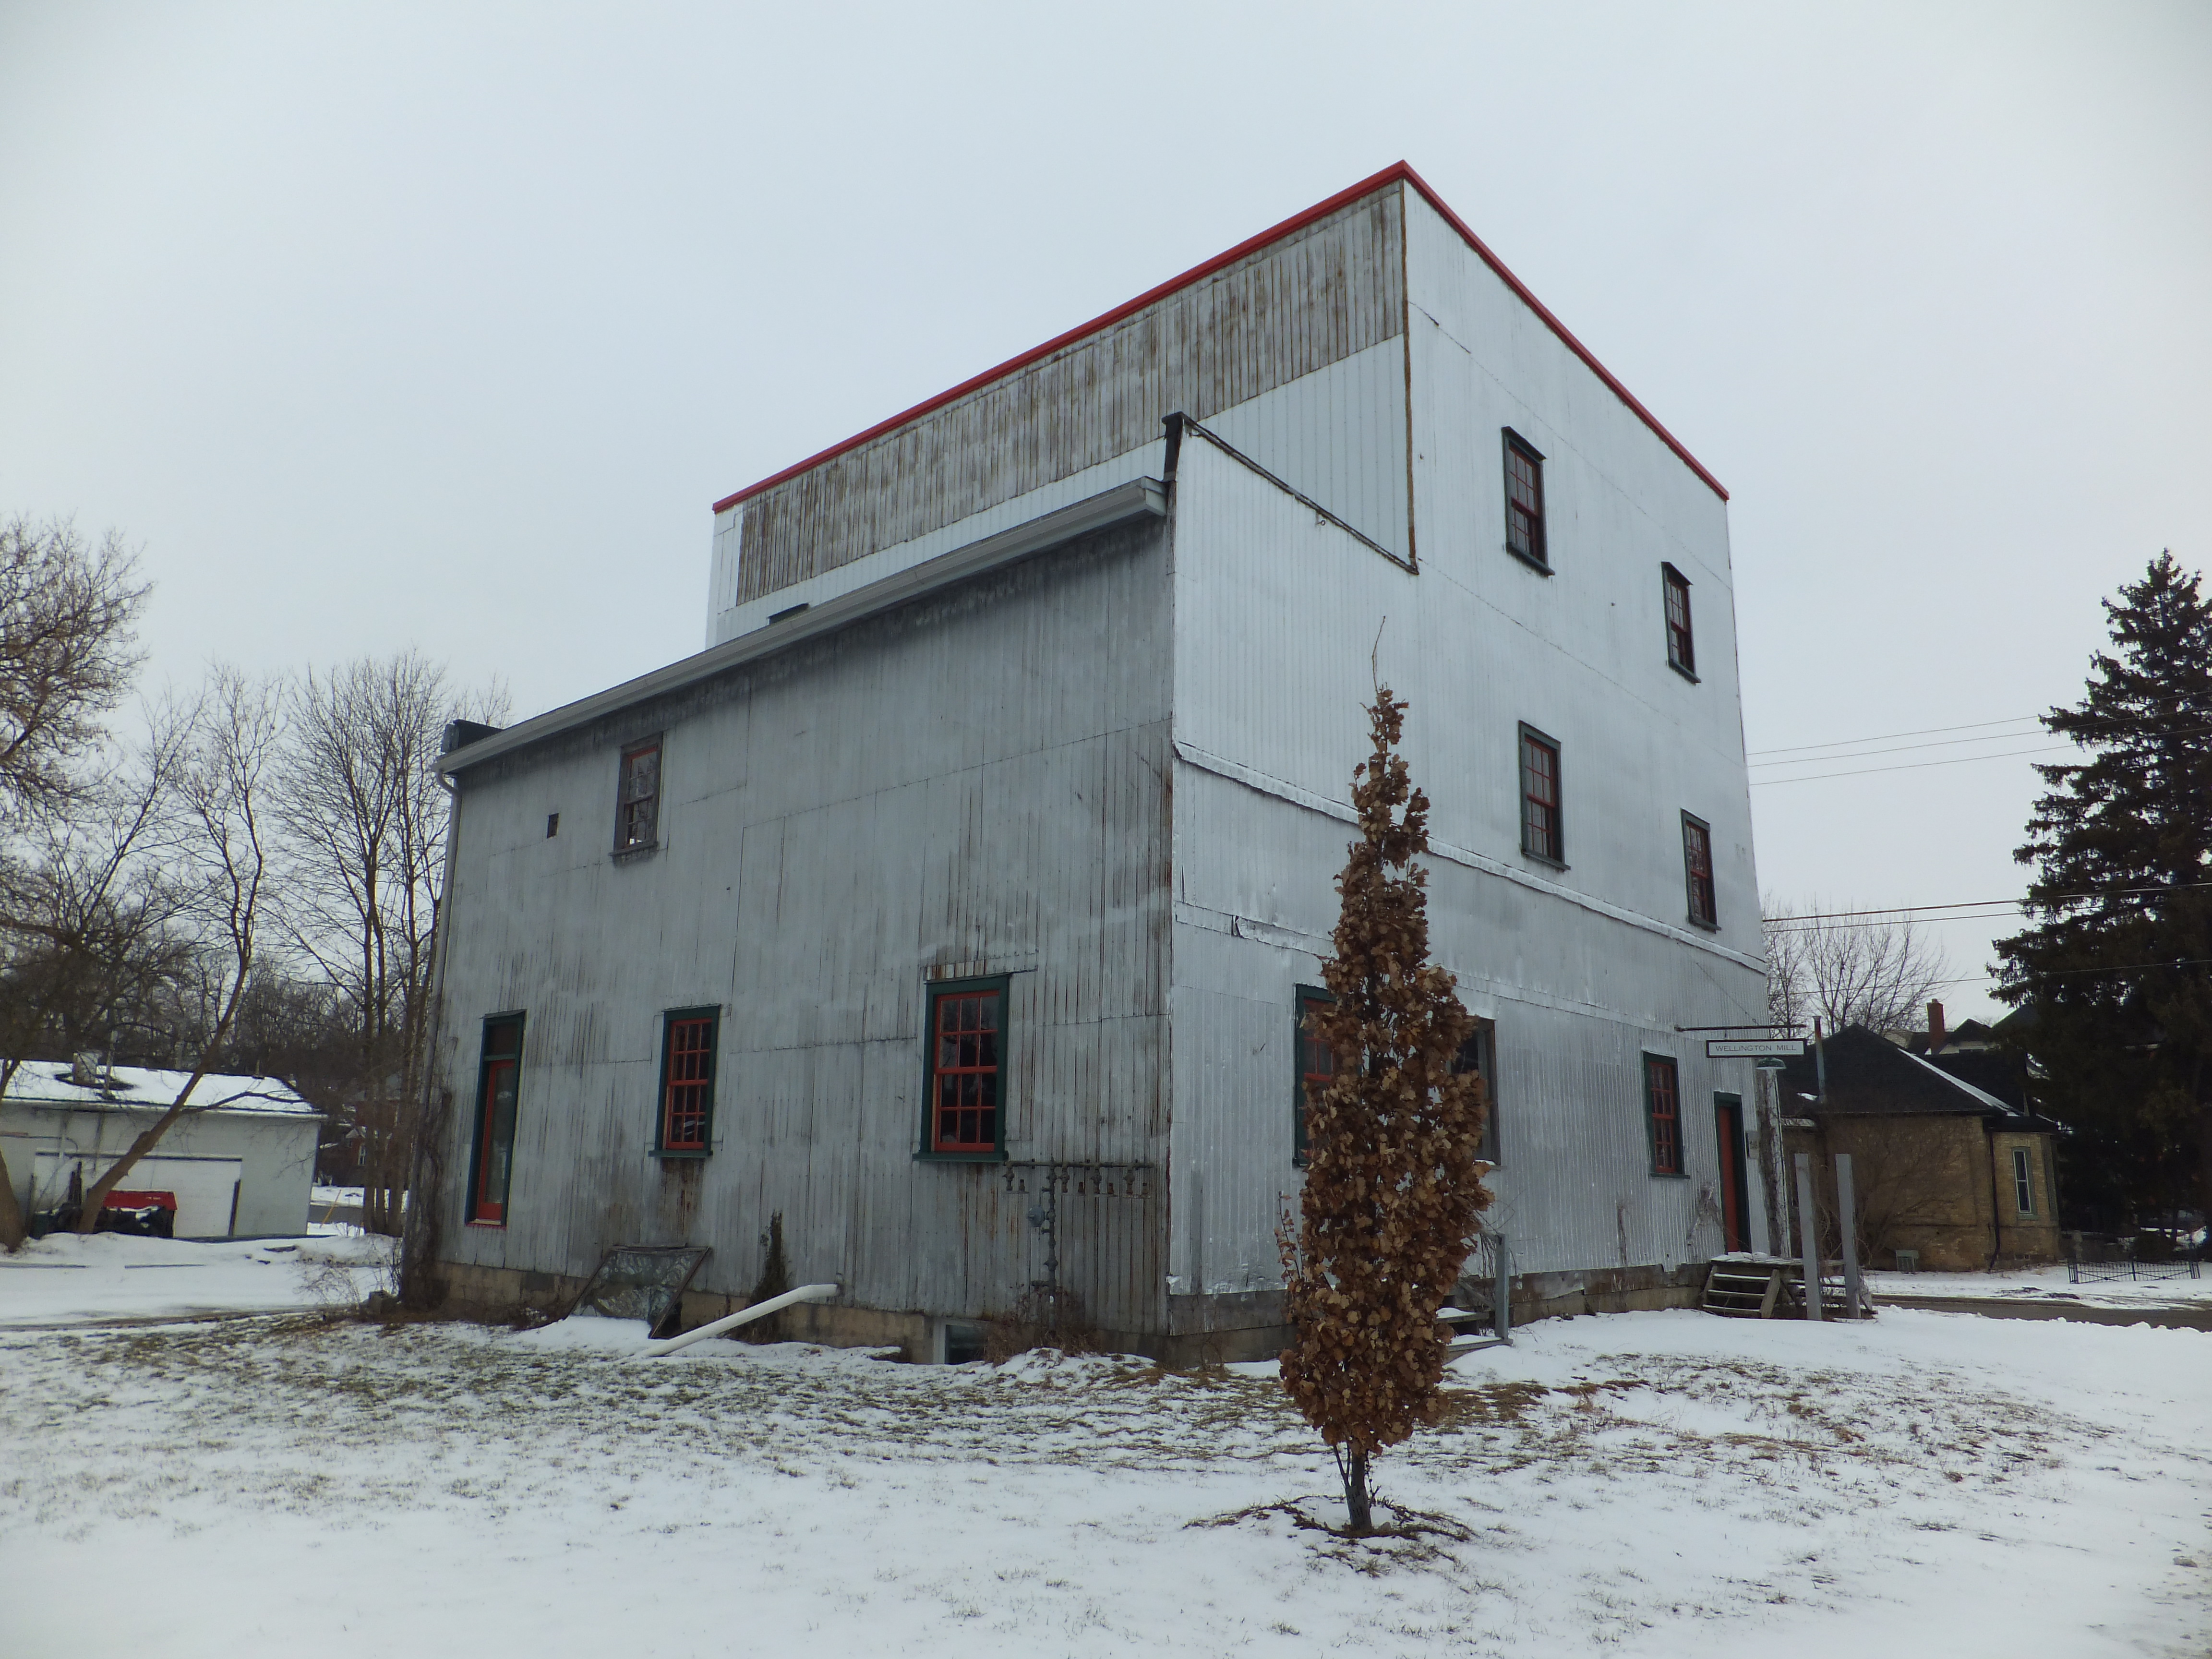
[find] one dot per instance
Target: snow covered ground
(1640, 1484)
(2051, 1285)
(65, 1279)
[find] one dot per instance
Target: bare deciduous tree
(1865, 969)
(68, 613)
(365, 820)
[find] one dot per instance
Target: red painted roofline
(1398, 171)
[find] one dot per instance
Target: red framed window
(1682, 647)
(1540, 830)
(637, 804)
(1698, 871)
(1524, 500)
(687, 1080)
(966, 1077)
(1316, 1064)
(492, 1157)
(1663, 1106)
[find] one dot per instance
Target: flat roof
(1397, 173)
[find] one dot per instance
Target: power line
(1989, 909)
(1909, 766)
(1903, 748)
(2068, 973)
(1884, 736)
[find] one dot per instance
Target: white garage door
(206, 1187)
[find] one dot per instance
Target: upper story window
(1681, 647)
(637, 802)
(687, 1080)
(1524, 500)
(1479, 1054)
(1662, 1110)
(1541, 832)
(1316, 1066)
(964, 1092)
(1698, 870)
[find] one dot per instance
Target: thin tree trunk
(1356, 1498)
(11, 1212)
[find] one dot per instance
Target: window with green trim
(1479, 1054)
(687, 1081)
(491, 1160)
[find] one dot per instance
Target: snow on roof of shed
(1396, 172)
(46, 1083)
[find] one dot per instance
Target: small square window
(1698, 871)
(1662, 1109)
(637, 808)
(552, 825)
(1479, 1054)
(1524, 500)
(1542, 834)
(964, 1073)
(687, 1081)
(1681, 647)
(1316, 1066)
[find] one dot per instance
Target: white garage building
(241, 1165)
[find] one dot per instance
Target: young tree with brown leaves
(1393, 1173)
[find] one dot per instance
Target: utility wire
(1884, 736)
(1909, 766)
(2068, 973)
(1869, 754)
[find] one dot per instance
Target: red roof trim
(1396, 172)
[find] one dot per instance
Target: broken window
(637, 812)
(1698, 870)
(967, 1056)
(1541, 834)
(687, 1081)
(1681, 648)
(1524, 500)
(1662, 1106)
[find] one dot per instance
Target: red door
(1735, 1228)
(495, 1148)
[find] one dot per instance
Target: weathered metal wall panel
(975, 783)
(1279, 619)
(1324, 293)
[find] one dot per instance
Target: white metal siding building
(1018, 699)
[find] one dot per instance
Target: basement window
(1681, 647)
(1524, 500)
(687, 1082)
(1313, 1066)
(1698, 871)
(963, 1084)
(1662, 1111)
(1542, 835)
(1479, 1054)
(637, 803)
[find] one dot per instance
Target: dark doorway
(1735, 1218)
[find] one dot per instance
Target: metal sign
(1754, 1047)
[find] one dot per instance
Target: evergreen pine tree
(2115, 973)
(1393, 1180)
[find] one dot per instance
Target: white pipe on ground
(743, 1317)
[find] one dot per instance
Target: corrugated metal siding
(1277, 615)
(974, 783)
(1317, 297)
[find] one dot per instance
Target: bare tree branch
(69, 610)
(1857, 971)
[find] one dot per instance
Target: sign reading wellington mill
(1754, 1047)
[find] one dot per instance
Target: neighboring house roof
(1396, 172)
(46, 1083)
(1869, 1076)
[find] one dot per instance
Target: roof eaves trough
(1138, 498)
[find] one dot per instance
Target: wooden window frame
(626, 838)
(1681, 634)
(1663, 1127)
(1530, 736)
(1532, 548)
(1483, 1045)
(936, 992)
(665, 1144)
(483, 1210)
(2023, 1183)
(1702, 899)
(1317, 995)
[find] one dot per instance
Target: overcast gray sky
(444, 324)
